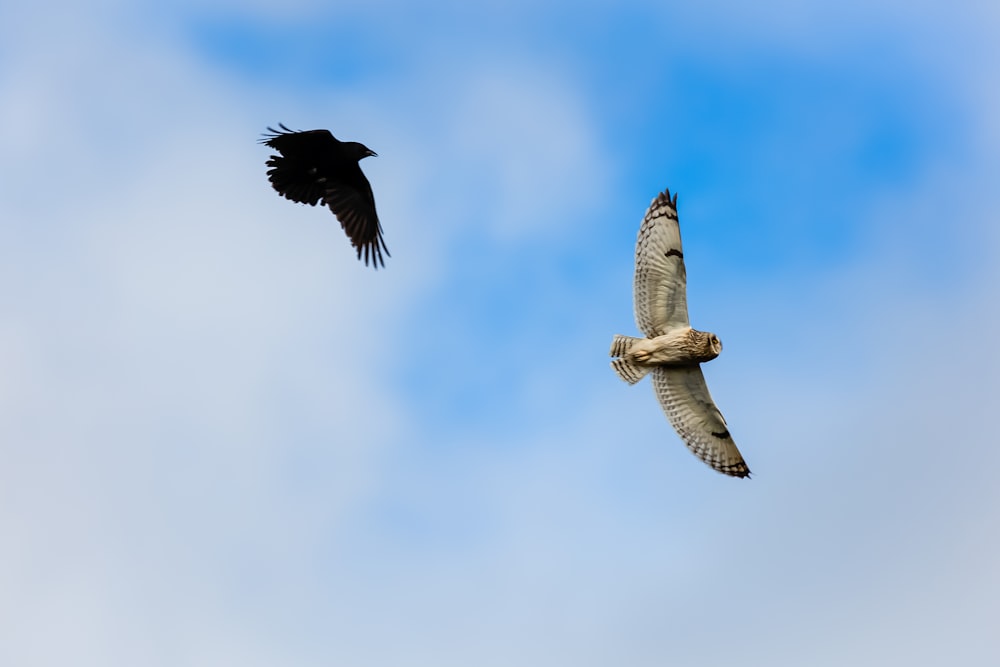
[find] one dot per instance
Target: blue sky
(227, 442)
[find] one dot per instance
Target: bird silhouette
(313, 166)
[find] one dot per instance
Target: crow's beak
(371, 153)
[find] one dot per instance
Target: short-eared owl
(672, 350)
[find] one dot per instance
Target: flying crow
(315, 167)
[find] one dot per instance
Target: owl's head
(715, 345)
(707, 346)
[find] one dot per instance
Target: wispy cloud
(227, 442)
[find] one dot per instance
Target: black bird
(314, 166)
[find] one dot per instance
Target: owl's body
(679, 347)
(672, 350)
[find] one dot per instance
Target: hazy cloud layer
(227, 442)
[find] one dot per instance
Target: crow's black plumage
(315, 167)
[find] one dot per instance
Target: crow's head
(358, 151)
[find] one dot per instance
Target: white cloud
(205, 462)
(191, 368)
(521, 138)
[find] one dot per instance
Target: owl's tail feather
(626, 370)
(629, 372)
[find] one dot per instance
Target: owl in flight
(672, 350)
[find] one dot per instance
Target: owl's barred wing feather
(685, 399)
(660, 287)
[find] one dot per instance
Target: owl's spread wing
(660, 287)
(685, 399)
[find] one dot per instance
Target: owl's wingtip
(741, 471)
(665, 198)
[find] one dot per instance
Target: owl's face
(708, 345)
(715, 344)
